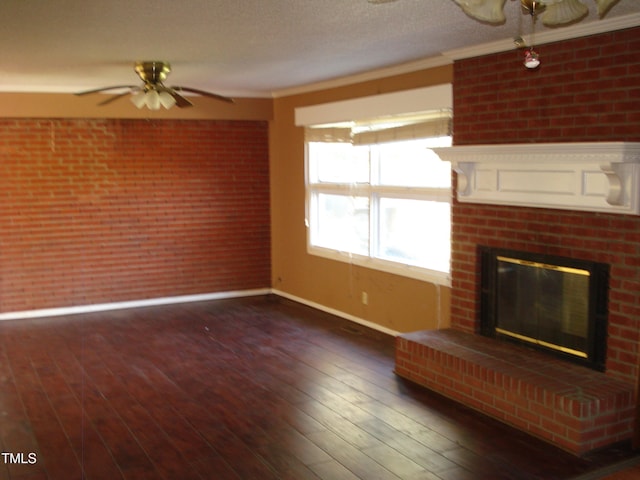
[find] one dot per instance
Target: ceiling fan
(553, 12)
(153, 93)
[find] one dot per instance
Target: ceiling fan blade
(113, 98)
(106, 89)
(204, 93)
(181, 102)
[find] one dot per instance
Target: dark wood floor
(254, 388)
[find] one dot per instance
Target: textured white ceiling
(234, 47)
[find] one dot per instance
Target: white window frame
(438, 97)
(374, 192)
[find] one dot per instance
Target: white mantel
(598, 177)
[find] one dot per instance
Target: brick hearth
(570, 406)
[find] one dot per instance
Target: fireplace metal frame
(595, 356)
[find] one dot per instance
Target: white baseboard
(102, 307)
(152, 302)
(337, 313)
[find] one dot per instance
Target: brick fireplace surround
(586, 90)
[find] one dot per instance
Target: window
(378, 196)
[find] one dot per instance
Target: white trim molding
(152, 302)
(435, 97)
(450, 56)
(400, 69)
(548, 36)
(597, 177)
(103, 307)
(337, 313)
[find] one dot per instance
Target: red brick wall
(95, 211)
(586, 89)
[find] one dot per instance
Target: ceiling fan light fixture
(552, 12)
(166, 99)
(152, 99)
(139, 98)
(564, 12)
(153, 94)
(489, 11)
(604, 6)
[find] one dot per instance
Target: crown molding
(449, 56)
(549, 36)
(409, 67)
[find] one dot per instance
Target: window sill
(418, 273)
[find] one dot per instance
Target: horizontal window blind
(386, 129)
(327, 134)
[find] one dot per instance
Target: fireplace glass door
(551, 303)
(543, 303)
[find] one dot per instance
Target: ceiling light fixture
(556, 12)
(552, 13)
(533, 7)
(153, 93)
(152, 99)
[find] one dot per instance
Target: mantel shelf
(598, 176)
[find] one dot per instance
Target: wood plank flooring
(251, 388)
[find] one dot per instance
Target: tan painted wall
(398, 303)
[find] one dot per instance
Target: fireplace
(538, 311)
(550, 303)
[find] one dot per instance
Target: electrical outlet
(365, 298)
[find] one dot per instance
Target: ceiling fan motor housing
(153, 72)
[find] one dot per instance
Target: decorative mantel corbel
(616, 192)
(464, 171)
(598, 176)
